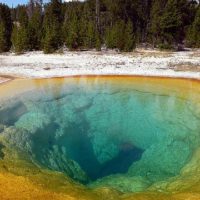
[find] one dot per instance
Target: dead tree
(97, 16)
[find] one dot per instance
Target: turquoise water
(96, 132)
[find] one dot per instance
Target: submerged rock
(122, 117)
(57, 160)
(162, 160)
(10, 113)
(1, 151)
(17, 138)
(41, 151)
(1, 127)
(122, 183)
(32, 121)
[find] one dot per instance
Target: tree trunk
(97, 16)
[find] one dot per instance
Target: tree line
(114, 24)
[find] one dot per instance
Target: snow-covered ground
(148, 63)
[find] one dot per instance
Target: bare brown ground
(6, 78)
(186, 67)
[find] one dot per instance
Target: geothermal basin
(101, 137)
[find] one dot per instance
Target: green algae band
(125, 133)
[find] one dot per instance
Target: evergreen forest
(97, 24)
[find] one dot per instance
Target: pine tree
(50, 40)
(90, 39)
(129, 37)
(155, 17)
(170, 22)
(2, 38)
(193, 36)
(87, 27)
(5, 28)
(53, 38)
(35, 29)
(22, 16)
(115, 36)
(19, 39)
(196, 28)
(72, 40)
(98, 42)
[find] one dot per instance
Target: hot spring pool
(84, 135)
